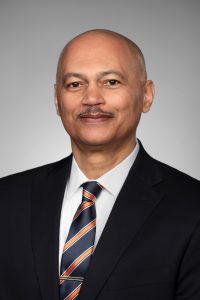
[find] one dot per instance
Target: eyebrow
(72, 74)
(99, 75)
(112, 72)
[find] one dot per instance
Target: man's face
(100, 93)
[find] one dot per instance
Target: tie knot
(91, 190)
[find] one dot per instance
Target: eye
(73, 85)
(112, 83)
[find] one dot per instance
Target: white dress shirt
(112, 182)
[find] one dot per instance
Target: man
(147, 214)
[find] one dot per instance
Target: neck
(96, 162)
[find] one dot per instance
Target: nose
(93, 95)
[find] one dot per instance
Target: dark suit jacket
(149, 249)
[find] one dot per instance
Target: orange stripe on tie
(89, 195)
(81, 233)
(77, 262)
(74, 293)
(83, 206)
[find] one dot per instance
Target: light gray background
(32, 34)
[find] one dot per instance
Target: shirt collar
(119, 172)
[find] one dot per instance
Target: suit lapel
(47, 198)
(134, 204)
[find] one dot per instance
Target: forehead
(94, 49)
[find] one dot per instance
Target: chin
(94, 138)
(93, 143)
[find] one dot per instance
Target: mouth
(95, 116)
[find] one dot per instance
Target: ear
(149, 92)
(56, 99)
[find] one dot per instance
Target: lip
(95, 117)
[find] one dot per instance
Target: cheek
(130, 114)
(130, 107)
(67, 107)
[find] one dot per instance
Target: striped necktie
(79, 245)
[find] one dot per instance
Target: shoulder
(156, 169)
(178, 192)
(166, 179)
(176, 178)
(17, 190)
(181, 193)
(26, 177)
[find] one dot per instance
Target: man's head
(101, 89)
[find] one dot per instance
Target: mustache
(93, 110)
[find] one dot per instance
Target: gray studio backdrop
(32, 33)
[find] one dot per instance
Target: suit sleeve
(188, 284)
